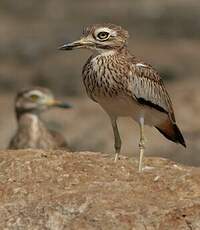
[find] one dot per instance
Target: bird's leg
(117, 138)
(141, 143)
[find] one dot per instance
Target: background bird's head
(36, 100)
(105, 37)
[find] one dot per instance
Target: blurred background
(164, 33)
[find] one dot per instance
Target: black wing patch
(142, 101)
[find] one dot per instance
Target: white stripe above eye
(140, 65)
(35, 92)
(105, 29)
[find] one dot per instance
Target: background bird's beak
(82, 43)
(60, 104)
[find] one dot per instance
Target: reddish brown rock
(60, 190)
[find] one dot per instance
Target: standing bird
(31, 132)
(123, 85)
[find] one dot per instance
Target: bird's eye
(103, 35)
(34, 97)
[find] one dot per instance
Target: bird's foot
(116, 157)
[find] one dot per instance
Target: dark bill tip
(64, 105)
(60, 104)
(65, 47)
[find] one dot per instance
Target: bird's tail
(171, 132)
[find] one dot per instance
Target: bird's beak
(57, 103)
(82, 43)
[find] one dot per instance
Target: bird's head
(102, 38)
(36, 100)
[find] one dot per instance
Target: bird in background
(32, 132)
(124, 85)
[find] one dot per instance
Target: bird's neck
(26, 113)
(109, 52)
(105, 52)
(29, 123)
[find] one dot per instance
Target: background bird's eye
(102, 35)
(34, 97)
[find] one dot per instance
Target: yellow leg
(117, 138)
(141, 143)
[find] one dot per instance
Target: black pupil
(103, 35)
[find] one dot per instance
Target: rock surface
(59, 190)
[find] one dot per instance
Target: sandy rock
(59, 190)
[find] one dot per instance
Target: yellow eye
(103, 35)
(34, 97)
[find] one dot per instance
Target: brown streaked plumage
(32, 132)
(123, 85)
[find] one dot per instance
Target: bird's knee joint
(141, 147)
(117, 148)
(117, 145)
(141, 144)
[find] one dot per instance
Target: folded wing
(148, 89)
